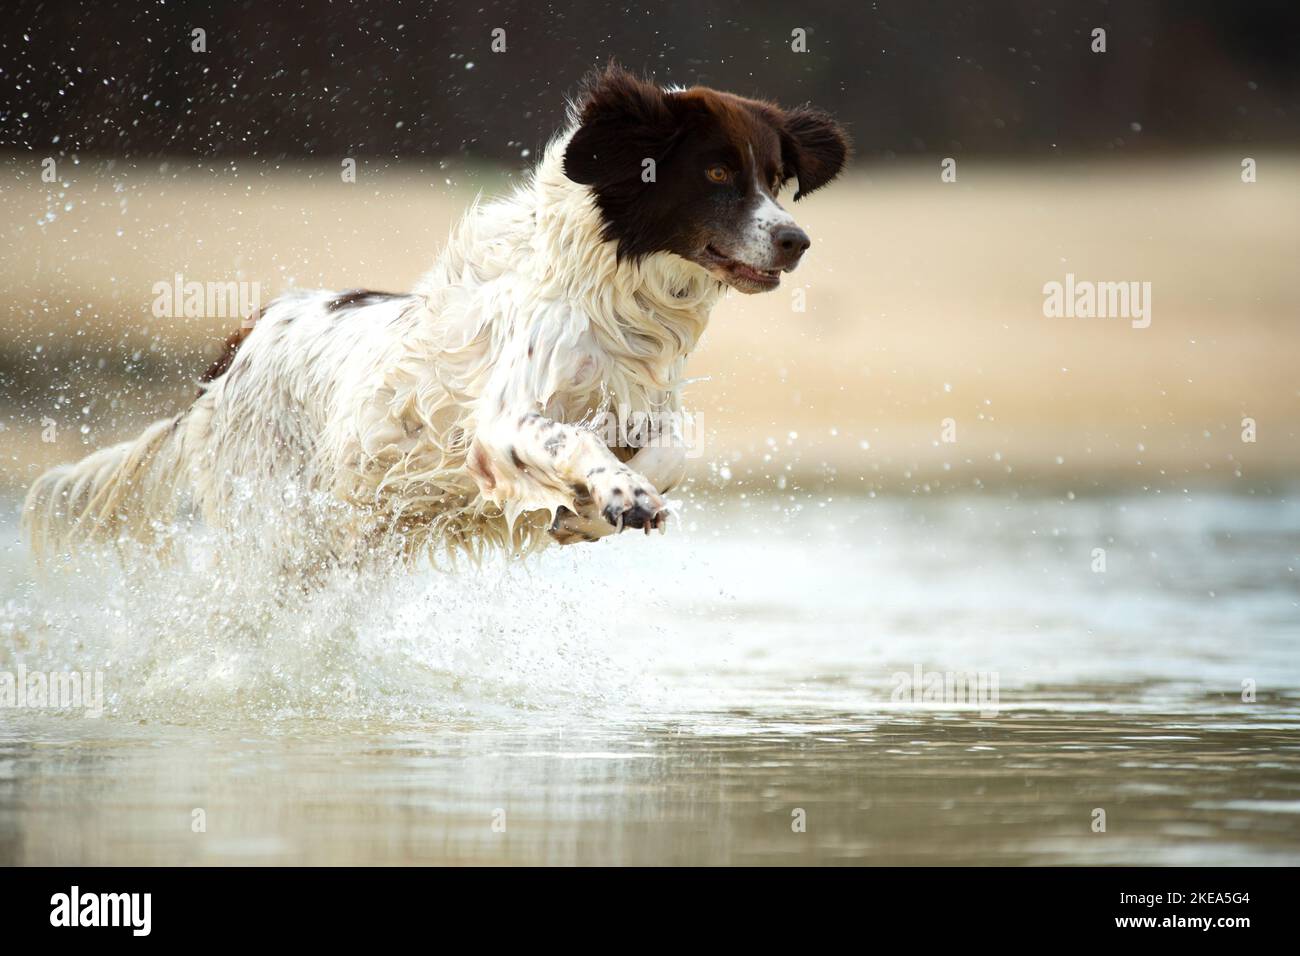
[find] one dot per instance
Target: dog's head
(697, 173)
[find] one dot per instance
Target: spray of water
(224, 628)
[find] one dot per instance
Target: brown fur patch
(357, 298)
(480, 466)
(228, 351)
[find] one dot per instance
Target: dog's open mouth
(740, 275)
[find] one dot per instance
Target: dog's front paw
(626, 500)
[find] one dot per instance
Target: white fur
(404, 416)
(757, 242)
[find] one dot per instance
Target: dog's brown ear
(814, 147)
(622, 121)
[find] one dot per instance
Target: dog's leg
(571, 528)
(532, 457)
(664, 465)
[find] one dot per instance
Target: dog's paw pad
(635, 506)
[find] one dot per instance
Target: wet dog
(458, 415)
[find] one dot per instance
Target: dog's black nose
(791, 243)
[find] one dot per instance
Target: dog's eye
(718, 174)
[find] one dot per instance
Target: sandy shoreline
(923, 302)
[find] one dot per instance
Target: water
(724, 694)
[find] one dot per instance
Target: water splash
(219, 633)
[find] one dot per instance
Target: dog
(458, 415)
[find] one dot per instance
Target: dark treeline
(392, 78)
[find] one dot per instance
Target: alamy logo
(197, 300)
(102, 909)
(967, 688)
(626, 428)
(1098, 300)
(60, 690)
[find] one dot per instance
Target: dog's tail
(122, 491)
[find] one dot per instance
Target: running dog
(459, 414)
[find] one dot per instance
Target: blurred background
(922, 300)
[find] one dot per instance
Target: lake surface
(727, 693)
